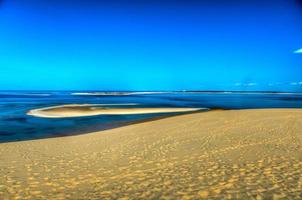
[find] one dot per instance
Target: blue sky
(151, 45)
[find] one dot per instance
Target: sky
(151, 45)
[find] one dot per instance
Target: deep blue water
(16, 125)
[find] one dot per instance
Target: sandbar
(81, 110)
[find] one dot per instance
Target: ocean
(16, 125)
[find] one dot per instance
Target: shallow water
(16, 125)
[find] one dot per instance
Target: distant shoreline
(139, 92)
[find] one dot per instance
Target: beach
(220, 154)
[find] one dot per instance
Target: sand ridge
(240, 154)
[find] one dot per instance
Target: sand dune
(243, 154)
(80, 110)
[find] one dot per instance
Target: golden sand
(243, 154)
(81, 110)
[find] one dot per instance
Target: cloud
(298, 51)
(296, 83)
(251, 84)
(245, 84)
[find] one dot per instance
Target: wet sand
(237, 154)
(81, 110)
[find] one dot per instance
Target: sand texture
(243, 154)
(80, 110)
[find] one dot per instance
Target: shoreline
(108, 127)
(245, 154)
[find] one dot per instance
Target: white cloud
(251, 84)
(245, 84)
(276, 84)
(296, 83)
(298, 51)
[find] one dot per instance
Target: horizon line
(184, 91)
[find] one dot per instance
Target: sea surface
(16, 125)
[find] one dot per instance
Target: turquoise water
(15, 125)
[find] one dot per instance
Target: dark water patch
(5, 133)
(22, 96)
(30, 130)
(184, 99)
(293, 98)
(18, 119)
